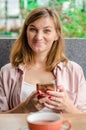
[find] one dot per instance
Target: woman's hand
(32, 104)
(59, 101)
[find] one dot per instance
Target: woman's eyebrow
(32, 26)
(43, 27)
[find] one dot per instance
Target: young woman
(38, 56)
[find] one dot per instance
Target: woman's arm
(31, 104)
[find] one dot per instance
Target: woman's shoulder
(71, 68)
(70, 65)
(73, 65)
(7, 67)
(7, 71)
(74, 68)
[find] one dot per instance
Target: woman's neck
(39, 62)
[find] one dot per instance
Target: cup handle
(67, 124)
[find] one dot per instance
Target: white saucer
(24, 128)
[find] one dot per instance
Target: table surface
(18, 121)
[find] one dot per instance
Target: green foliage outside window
(73, 19)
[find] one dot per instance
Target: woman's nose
(39, 35)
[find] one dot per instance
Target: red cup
(47, 121)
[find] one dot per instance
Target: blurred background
(72, 15)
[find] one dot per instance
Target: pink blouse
(71, 77)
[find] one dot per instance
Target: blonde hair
(21, 53)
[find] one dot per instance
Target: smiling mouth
(38, 43)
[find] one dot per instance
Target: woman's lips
(38, 43)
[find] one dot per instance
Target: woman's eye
(32, 29)
(47, 31)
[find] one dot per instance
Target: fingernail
(49, 97)
(40, 96)
(47, 92)
(39, 92)
(59, 86)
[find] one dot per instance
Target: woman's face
(41, 34)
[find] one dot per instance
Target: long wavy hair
(21, 52)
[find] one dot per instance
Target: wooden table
(18, 121)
